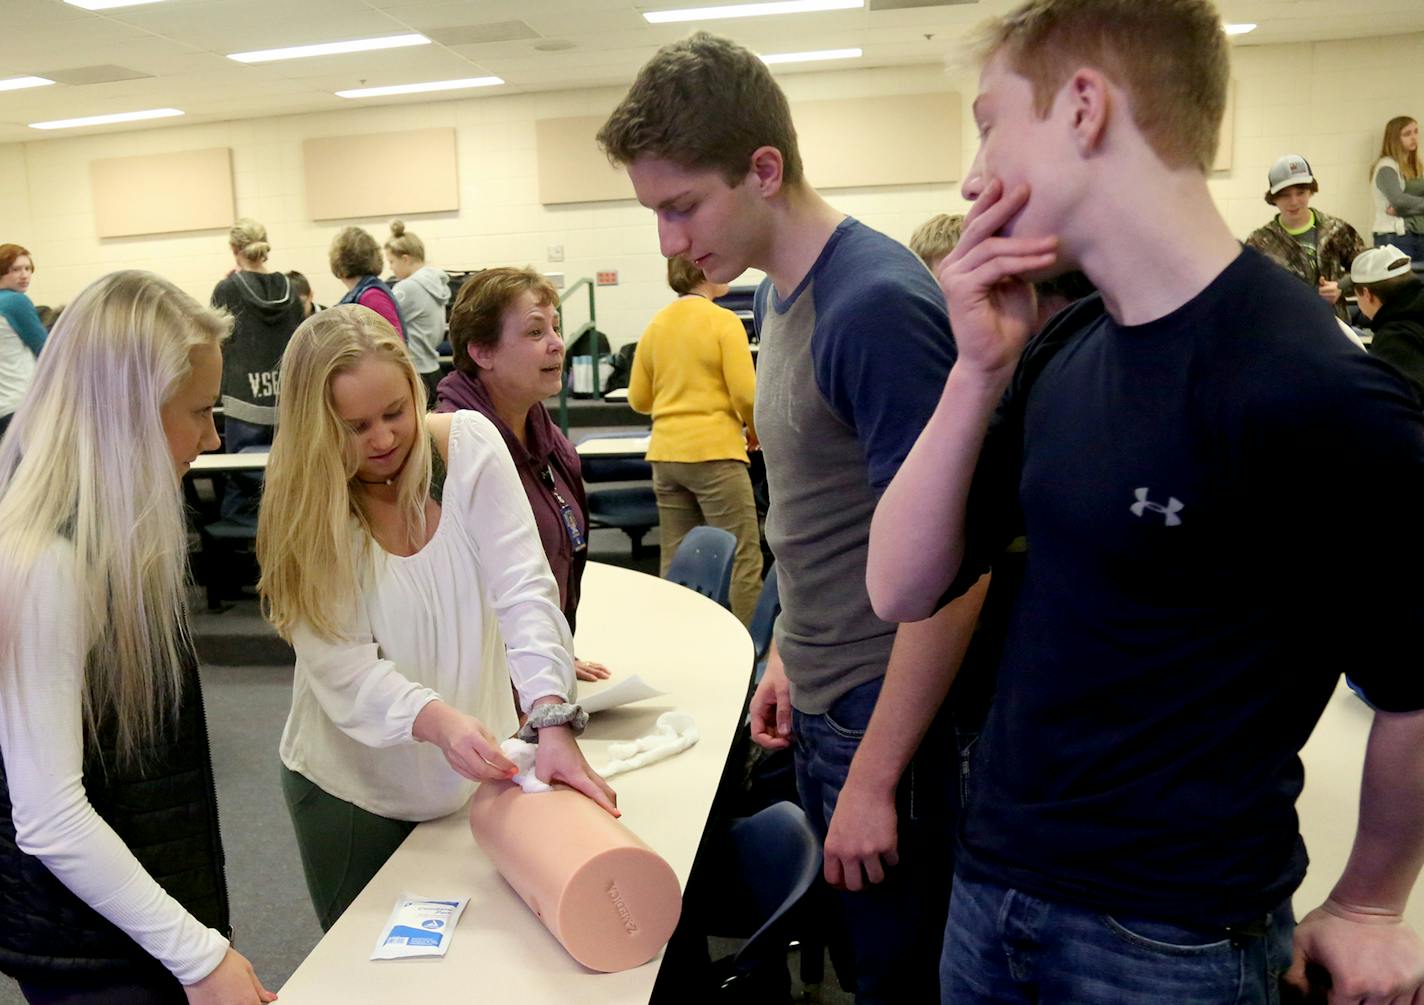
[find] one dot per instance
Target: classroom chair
(774, 859)
(631, 509)
(704, 563)
(768, 607)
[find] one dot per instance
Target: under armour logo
(1170, 511)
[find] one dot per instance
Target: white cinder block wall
(1326, 100)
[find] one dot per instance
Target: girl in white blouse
(110, 851)
(401, 559)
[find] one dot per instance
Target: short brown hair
(404, 243)
(683, 276)
(1388, 289)
(1171, 56)
(10, 252)
(704, 102)
(354, 253)
(937, 236)
(478, 313)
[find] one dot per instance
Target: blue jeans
(1411, 244)
(894, 926)
(243, 495)
(1005, 947)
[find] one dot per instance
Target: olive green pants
(342, 846)
(719, 494)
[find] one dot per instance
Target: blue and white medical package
(419, 927)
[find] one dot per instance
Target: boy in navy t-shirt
(855, 345)
(1182, 453)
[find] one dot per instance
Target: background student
(265, 309)
(113, 892)
(1314, 246)
(693, 373)
(936, 238)
(355, 259)
(1397, 189)
(22, 334)
(400, 558)
(1392, 297)
(422, 291)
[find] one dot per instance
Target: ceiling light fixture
(430, 85)
(329, 48)
(811, 57)
(748, 10)
(104, 120)
(108, 4)
(1239, 29)
(20, 83)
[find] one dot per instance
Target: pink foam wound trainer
(610, 900)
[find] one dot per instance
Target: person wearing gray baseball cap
(1315, 246)
(1392, 297)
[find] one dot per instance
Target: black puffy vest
(164, 810)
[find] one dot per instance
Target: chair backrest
(615, 469)
(768, 606)
(704, 563)
(778, 858)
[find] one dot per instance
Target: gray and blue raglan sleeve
(881, 361)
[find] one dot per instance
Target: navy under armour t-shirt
(1221, 507)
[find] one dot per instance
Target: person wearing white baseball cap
(1392, 297)
(1315, 246)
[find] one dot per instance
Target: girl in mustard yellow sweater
(693, 374)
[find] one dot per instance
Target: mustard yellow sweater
(693, 374)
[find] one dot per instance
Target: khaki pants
(719, 494)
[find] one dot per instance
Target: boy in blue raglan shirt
(855, 344)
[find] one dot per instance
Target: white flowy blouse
(473, 609)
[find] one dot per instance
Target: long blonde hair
(310, 500)
(1391, 146)
(86, 459)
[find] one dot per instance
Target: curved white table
(677, 641)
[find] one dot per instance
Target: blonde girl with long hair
(400, 558)
(1397, 188)
(109, 838)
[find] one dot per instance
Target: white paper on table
(625, 691)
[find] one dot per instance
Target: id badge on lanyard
(566, 512)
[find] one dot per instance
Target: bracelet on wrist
(554, 714)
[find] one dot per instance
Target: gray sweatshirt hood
(433, 281)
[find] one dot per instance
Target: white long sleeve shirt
(473, 609)
(42, 739)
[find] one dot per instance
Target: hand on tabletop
(559, 759)
(1329, 292)
(991, 309)
(1373, 959)
(589, 670)
(771, 707)
(468, 745)
(862, 839)
(232, 983)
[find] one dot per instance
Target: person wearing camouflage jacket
(1315, 246)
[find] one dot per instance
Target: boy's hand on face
(1370, 957)
(991, 310)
